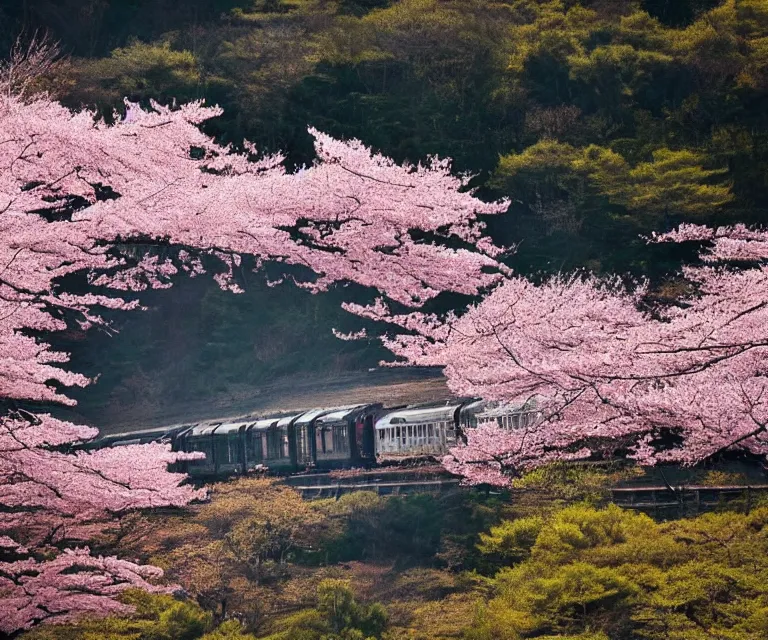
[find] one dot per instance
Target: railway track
(657, 500)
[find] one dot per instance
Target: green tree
(673, 183)
(622, 575)
(512, 540)
(337, 616)
(139, 72)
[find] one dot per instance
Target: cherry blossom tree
(82, 205)
(611, 373)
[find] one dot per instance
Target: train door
(242, 449)
(292, 443)
(364, 436)
(312, 442)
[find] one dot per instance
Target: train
(349, 436)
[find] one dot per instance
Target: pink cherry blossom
(131, 207)
(611, 374)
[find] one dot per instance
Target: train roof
(230, 427)
(125, 443)
(423, 414)
(286, 420)
(139, 434)
(138, 437)
(263, 423)
(309, 416)
(507, 409)
(474, 406)
(204, 429)
(343, 413)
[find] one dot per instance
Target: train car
(262, 442)
(238, 446)
(304, 437)
(319, 438)
(509, 416)
(335, 437)
(469, 412)
(145, 436)
(432, 431)
(282, 444)
(198, 438)
(229, 450)
(417, 431)
(224, 445)
(345, 436)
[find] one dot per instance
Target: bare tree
(28, 60)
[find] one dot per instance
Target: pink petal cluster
(610, 374)
(130, 206)
(73, 584)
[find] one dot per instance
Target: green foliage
(574, 482)
(336, 602)
(512, 540)
(337, 616)
(157, 617)
(609, 573)
(419, 529)
(229, 630)
(673, 182)
(141, 72)
(374, 528)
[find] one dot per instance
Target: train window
(320, 439)
(233, 445)
(221, 450)
(257, 447)
(201, 444)
(340, 439)
(381, 434)
(431, 430)
(273, 444)
(285, 450)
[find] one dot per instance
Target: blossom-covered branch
(678, 383)
(80, 197)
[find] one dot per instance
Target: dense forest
(602, 122)
(259, 562)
